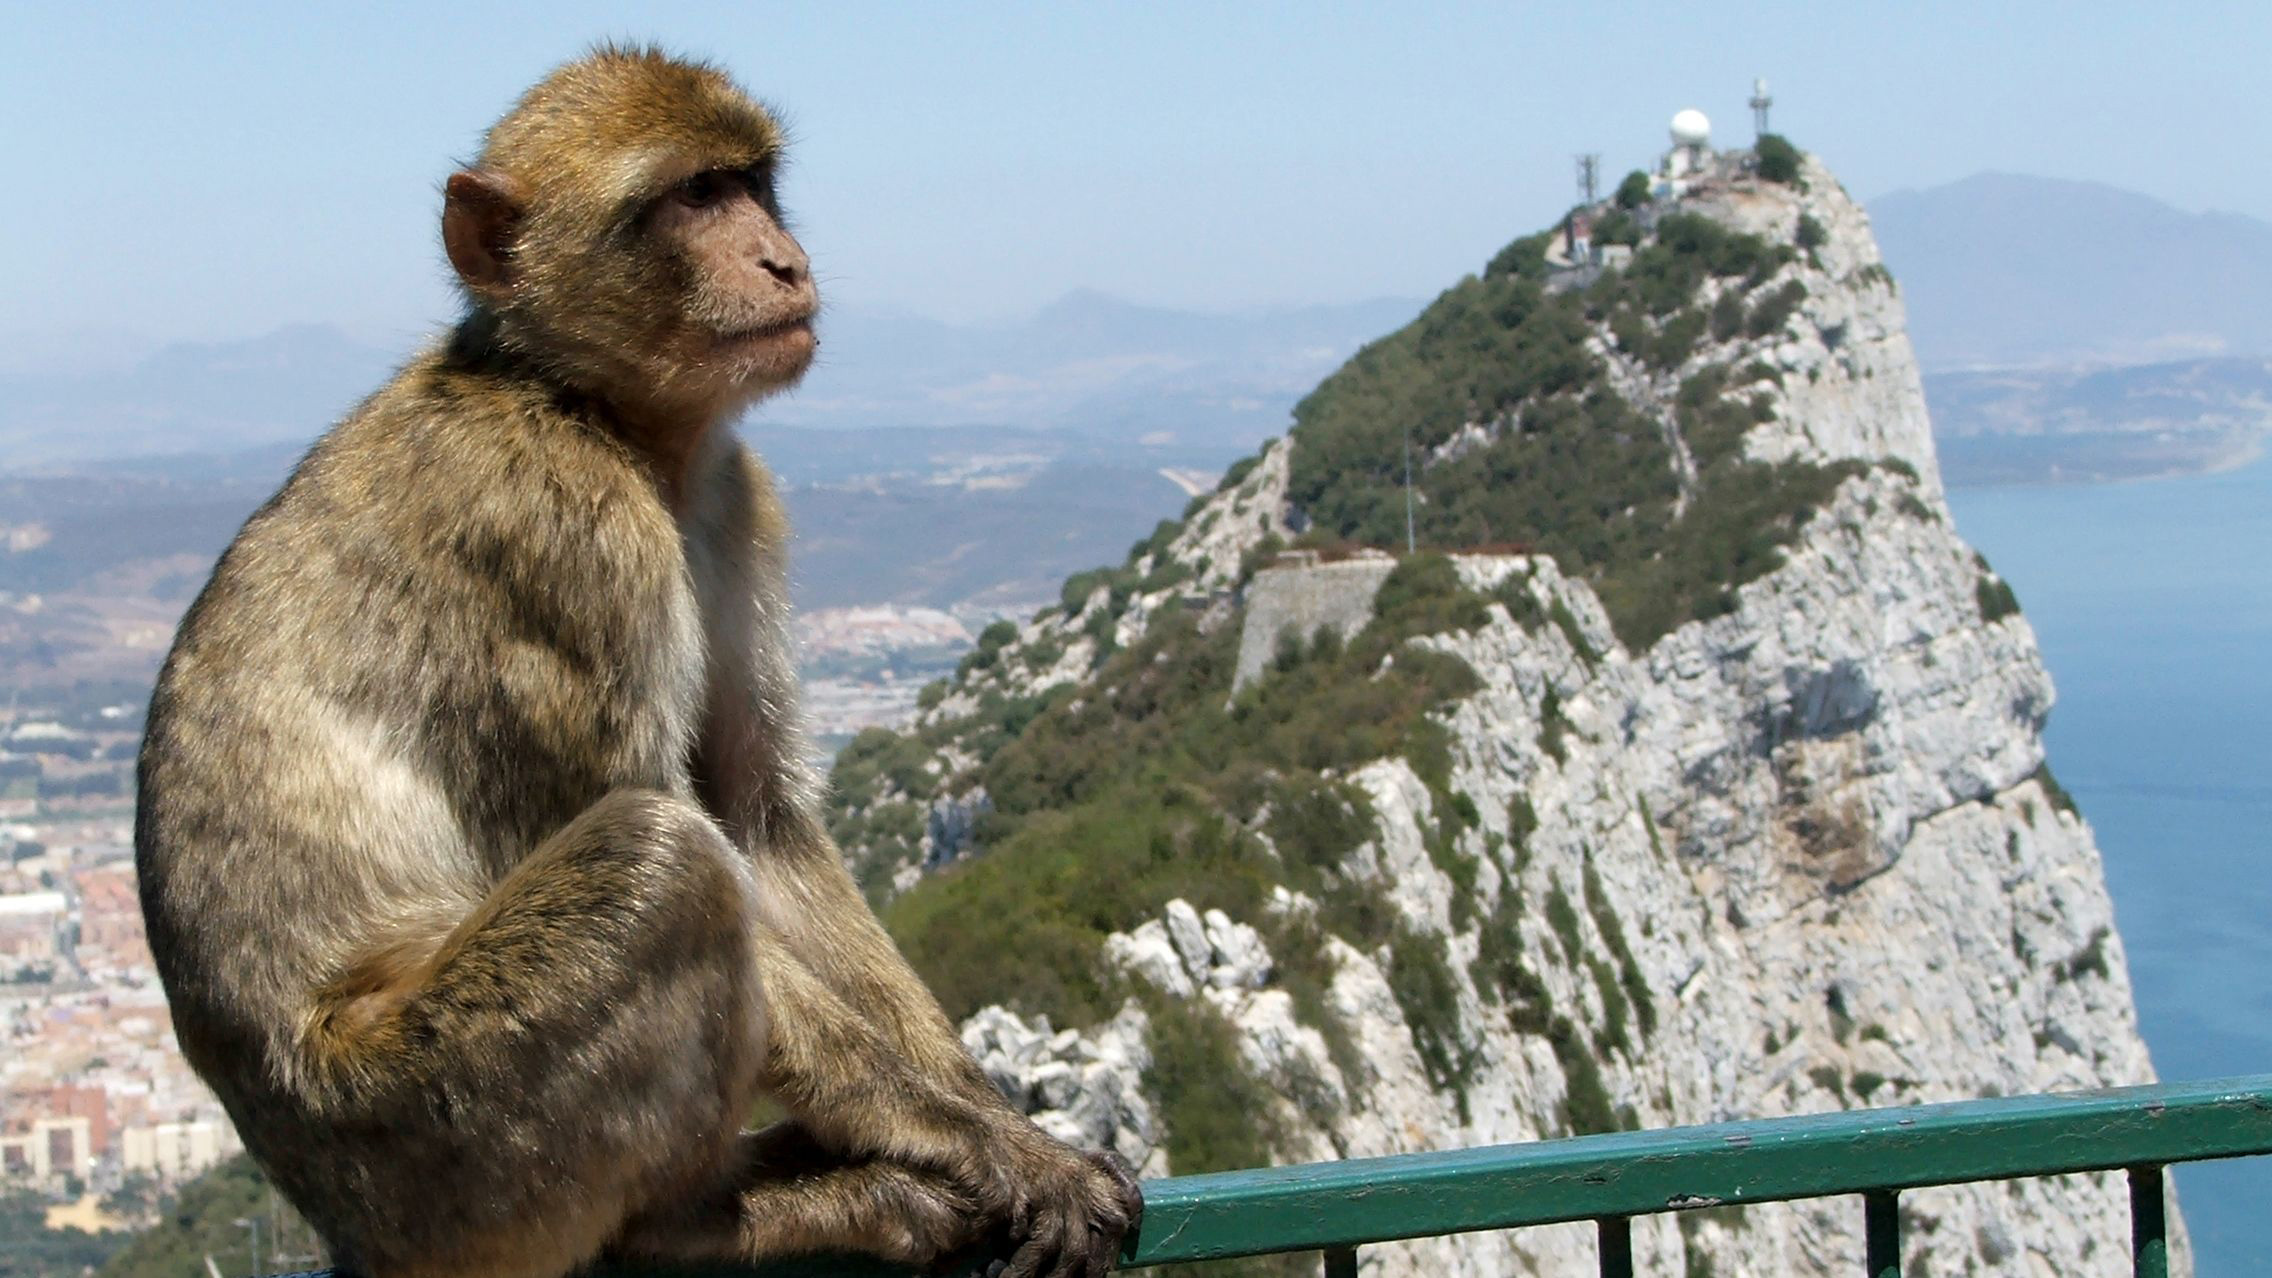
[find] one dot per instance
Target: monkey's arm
(754, 778)
(858, 1047)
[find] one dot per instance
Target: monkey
(482, 865)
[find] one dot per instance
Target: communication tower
(1589, 177)
(1759, 104)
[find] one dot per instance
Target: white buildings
(49, 1147)
(31, 931)
(173, 1151)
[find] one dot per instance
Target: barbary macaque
(479, 856)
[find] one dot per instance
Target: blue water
(2153, 603)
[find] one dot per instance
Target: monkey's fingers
(1103, 1248)
(1054, 1247)
(1125, 1184)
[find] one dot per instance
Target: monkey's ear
(481, 208)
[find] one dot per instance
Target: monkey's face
(746, 289)
(623, 227)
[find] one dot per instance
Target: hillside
(1693, 769)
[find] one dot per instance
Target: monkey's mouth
(762, 334)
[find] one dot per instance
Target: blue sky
(219, 170)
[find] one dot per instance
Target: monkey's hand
(1061, 1212)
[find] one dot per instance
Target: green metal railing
(1334, 1208)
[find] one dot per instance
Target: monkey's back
(433, 647)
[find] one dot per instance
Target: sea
(2152, 601)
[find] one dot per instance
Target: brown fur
(479, 857)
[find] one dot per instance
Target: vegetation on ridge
(1524, 440)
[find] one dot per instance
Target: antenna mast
(1759, 104)
(1589, 177)
(1411, 543)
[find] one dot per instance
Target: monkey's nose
(790, 271)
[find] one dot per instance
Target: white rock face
(1815, 823)
(1085, 1089)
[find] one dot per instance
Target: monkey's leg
(793, 1197)
(582, 1047)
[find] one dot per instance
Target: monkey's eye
(760, 179)
(703, 190)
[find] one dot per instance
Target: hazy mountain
(2001, 268)
(1088, 362)
(190, 397)
(1201, 386)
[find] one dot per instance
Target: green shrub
(1562, 917)
(1074, 594)
(1612, 931)
(1586, 1106)
(2054, 791)
(1522, 822)
(2088, 961)
(1778, 159)
(1525, 258)
(1024, 925)
(1995, 597)
(1828, 1079)
(1552, 727)
(1727, 315)
(1633, 192)
(1218, 1117)
(1772, 312)
(1460, 868)
(1559, 613)
(1428, 994)
(1612, 1036)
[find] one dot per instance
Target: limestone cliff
(1604, 844)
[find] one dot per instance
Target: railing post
(1881, 1222)
(1616, 1246)
(1341, 1262)
(2149, 1226)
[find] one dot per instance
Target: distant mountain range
(2003, 269)
(1197, 387)
(1089, 362)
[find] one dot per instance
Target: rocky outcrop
(1798, 856)
(1086, 1089)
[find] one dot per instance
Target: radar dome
(1690, 128)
